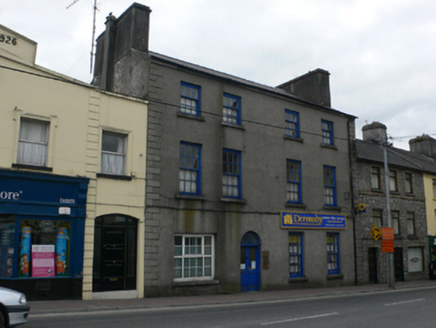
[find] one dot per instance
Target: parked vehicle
(13, 308)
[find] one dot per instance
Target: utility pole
(390, 256)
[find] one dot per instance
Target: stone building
(247, 185)
(407, 204)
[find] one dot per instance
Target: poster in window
(61, 251)
(24, 264)
(43, 261)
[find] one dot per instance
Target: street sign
(388, 233)
(376, 232)
(387, 246)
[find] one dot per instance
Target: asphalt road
(405, 308)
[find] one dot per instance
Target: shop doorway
(115, 249)
(250, 262)
(398, 264)
(372, 265)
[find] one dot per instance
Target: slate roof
(232, 78)
(369, 151)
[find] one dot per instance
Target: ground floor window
(43, 249)
(333, 253)
(415, 259)
(193, 257)
(295, 254)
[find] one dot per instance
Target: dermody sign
(292, 220)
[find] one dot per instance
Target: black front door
(372, 265)
(398, 264)
(114, 253)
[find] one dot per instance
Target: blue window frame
(329, 186)
(190, 99)
(231, 109)
(231, 173)
(190, 168)
(292, 120)
(293, 188)
(296, 254)
(327, 132)
(333, 265)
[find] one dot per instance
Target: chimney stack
(424, 145)
(374, 132)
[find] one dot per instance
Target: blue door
(250, 262)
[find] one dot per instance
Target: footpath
(69, 306)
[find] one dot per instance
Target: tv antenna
(93, 31)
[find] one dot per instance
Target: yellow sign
(376, 233)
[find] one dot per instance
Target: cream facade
(71, 156)
(430, 201)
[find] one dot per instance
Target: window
(293, 181)
(292, 120)
(327, 133)
(377, 217)
(231, 109)
(434, 188)
(410, 223)
(189, 99)
(231, 173)
(296, 254)
(395, 216)
(329, 186)
(375, 177)
(190, 169)
(408, 183)
(193, 257)
(393, 184)
(415, 259)
(333, 253)
(113, 153)
(33, 142)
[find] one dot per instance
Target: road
(406, 308)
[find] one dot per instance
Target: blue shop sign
(292, 220)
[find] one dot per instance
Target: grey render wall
(264, 152)
(400, 201)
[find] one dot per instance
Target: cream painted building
(72, 182)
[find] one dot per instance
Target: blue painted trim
(288, 120)
(328, 131)
(198, 147)
(289, 161)
(238, 109)
(333, 186)
(198, 99)
(238, 153)
(300, 255)
(337, 254)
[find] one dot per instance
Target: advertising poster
(43, 261)
(61, 251)
(24, 264)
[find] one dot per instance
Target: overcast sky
(381, 53)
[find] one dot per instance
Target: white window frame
(33, 149)
(184, 256)
(113, 155)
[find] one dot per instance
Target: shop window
(415, 259)
(7, 243)
(333, 253)
(295, 254)
(33, 142)
(44, 248)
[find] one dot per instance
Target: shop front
(42, 222)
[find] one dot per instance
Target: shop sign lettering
(9, 195)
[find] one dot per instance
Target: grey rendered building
(248, 186)
(407, 207)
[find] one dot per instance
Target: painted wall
(430, 202)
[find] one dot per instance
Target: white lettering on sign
(9, 195)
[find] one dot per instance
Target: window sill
(408, 194)
(377, 190)
(290, 138)
(392, 192)
(233, 200)
(297, 205)
(190, 197)
(236, 126)
(192, 117)
(335, 276)
(333, 147)
(412, 237)
(331, 208)
(32, 167)
(293, 280)
(114, 176)
(195, 283)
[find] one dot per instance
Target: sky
(381, 54)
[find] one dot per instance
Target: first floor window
(295, 254)
(377, 218)
(333, 253)
(329, 186)
(231, 173)
(190, 99)
(293, 181)
(408, 183)
(33, 142)
(393, 182)
(327, 132)
(415, 259)
(190, 168)
(193, 257)
(231, 109)
(113, 152)
(395, 216)
(410, 223)
(375, 177)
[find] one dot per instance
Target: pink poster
(43, 260)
